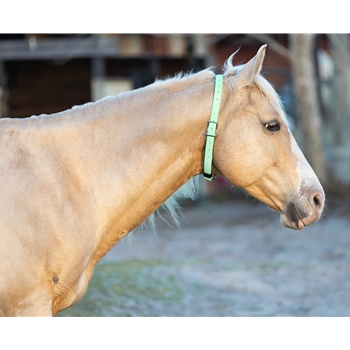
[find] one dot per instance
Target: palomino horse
(75, 183)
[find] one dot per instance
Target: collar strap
(211, 130)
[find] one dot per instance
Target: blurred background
(47, 73)
(249, 265)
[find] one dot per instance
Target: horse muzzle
(304, 210)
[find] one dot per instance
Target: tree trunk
(309, 117)
(340, 120)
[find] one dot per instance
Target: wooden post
(340, 118)
(310, 123)
(340, 121)
(98, 68)
(98, 72)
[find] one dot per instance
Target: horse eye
(273, 126)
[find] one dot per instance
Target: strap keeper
(212, 128)
(207, 134)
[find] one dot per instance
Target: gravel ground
(235, 259)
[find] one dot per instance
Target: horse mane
(171, 208)
(183, 78)
(190, 190)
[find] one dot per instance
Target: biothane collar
(211, 130)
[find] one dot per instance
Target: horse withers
(75, 183)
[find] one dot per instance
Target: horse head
(255, 149)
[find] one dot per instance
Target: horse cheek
(242, 164)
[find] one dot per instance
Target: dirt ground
(233, 258)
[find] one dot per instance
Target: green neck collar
(211, 130)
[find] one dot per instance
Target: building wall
(32, 86)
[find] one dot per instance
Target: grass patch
(128, 288)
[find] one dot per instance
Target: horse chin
(292, 224)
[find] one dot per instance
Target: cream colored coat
(74, 183)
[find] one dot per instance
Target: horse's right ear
(252, 68)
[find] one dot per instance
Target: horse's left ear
(252, 68)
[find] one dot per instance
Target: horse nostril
(318, 200)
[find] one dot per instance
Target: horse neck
(152, 143)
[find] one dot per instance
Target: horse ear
(252, 68)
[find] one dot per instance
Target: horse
(74, 183)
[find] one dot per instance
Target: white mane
(190, 190)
